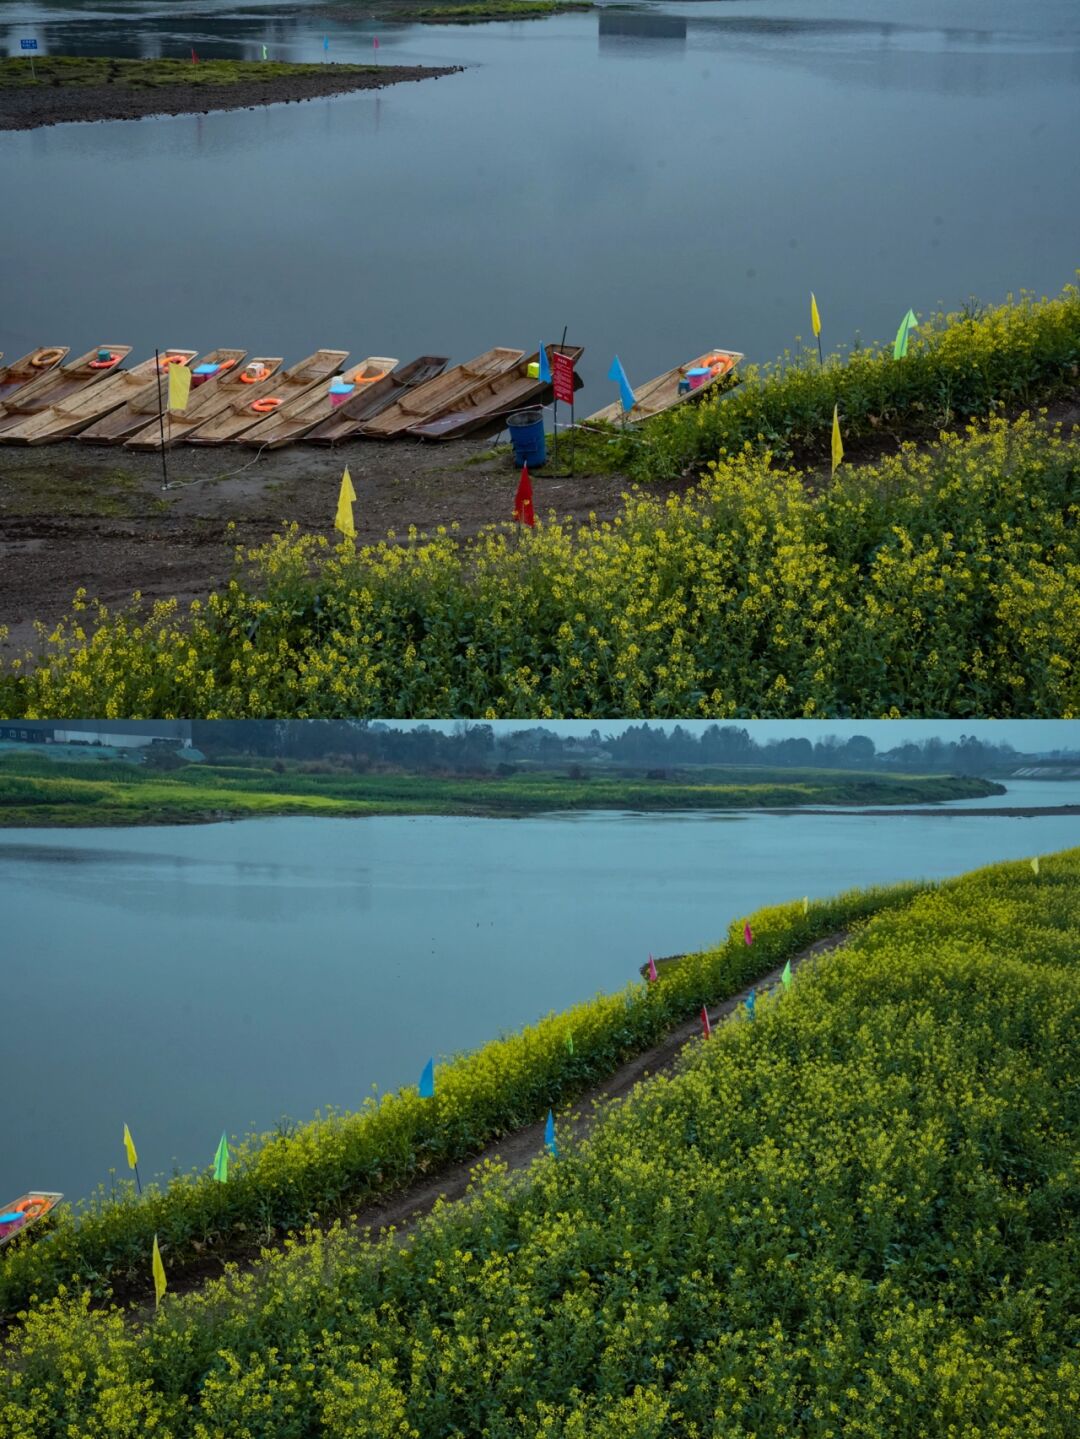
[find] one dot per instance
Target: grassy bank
(499, 10)
(76, 71)
(854, 1215)
(961, 366)
(940, 583)
(40, 791)
(338, 1162)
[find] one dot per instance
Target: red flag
(705, 1022)
(653, 976)
(523, 500)
(748, 933)
(376, 42)
(194, 57)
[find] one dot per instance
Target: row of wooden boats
(45, 397)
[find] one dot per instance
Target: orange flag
(523, 500)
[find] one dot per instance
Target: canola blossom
(279, 1183)
(942, 583)
(855, 1216)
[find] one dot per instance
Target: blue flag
(750, 1003)
(326, 42)
(545, 366)
(549, 1135)
(427, 1081)
(618, 374)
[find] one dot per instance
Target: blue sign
(28, 44)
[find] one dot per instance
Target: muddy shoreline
(33, 107)
(76, 515)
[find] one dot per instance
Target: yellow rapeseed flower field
(854, 1215)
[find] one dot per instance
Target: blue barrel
(527, 437)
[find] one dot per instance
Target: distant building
(118, 734)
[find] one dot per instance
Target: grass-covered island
(94, 87)
(36, 790)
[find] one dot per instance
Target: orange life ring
(167, 360)
(44, 358)
(104, 364)
(246, 379)
(266, 405)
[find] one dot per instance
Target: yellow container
(534, 370)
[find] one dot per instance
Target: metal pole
(161, 419)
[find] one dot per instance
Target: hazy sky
(1030, 736)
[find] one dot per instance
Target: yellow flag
(806, 904)
(1035, 864)
(815, 318)
(129, 1145)
(159, 1274)
(179, 386)
(837, 444)
(343, 521)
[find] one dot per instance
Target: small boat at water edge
(365, 404)
(88, 404)
(60, 384)
(31, 367)
(242, 413)
(441, 394)
(303, 413)
(490, 404)
(211, 399)
(152, 399)
(684, 382)
(24, 1211)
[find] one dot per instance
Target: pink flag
(705, 1022)
(748, 933)
(375, 43)
(653, 976)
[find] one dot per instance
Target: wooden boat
(114, 428)
(241, 413)
(663, 393)
(445, 392)
(88, 404)
(304, 413)
(365, 404)
(59, 385)
(209, 400)
(26, 1210)
(490, 404)
(31, 367)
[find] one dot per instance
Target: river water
(661, 181)
(186, 980)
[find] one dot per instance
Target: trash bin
(527, 436)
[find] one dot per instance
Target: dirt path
(35, 106)
(517, 1151)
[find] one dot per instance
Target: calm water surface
(191, 979)
(659, 181)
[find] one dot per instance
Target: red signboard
(562, 377)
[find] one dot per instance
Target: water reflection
(640, 34)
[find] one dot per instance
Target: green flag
(907, 324)
(785, 976)
(570, 1043)
(221, 1160)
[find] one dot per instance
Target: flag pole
(138, 1181)
(161, 428)
(555, 411)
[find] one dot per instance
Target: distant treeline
(640, 747)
